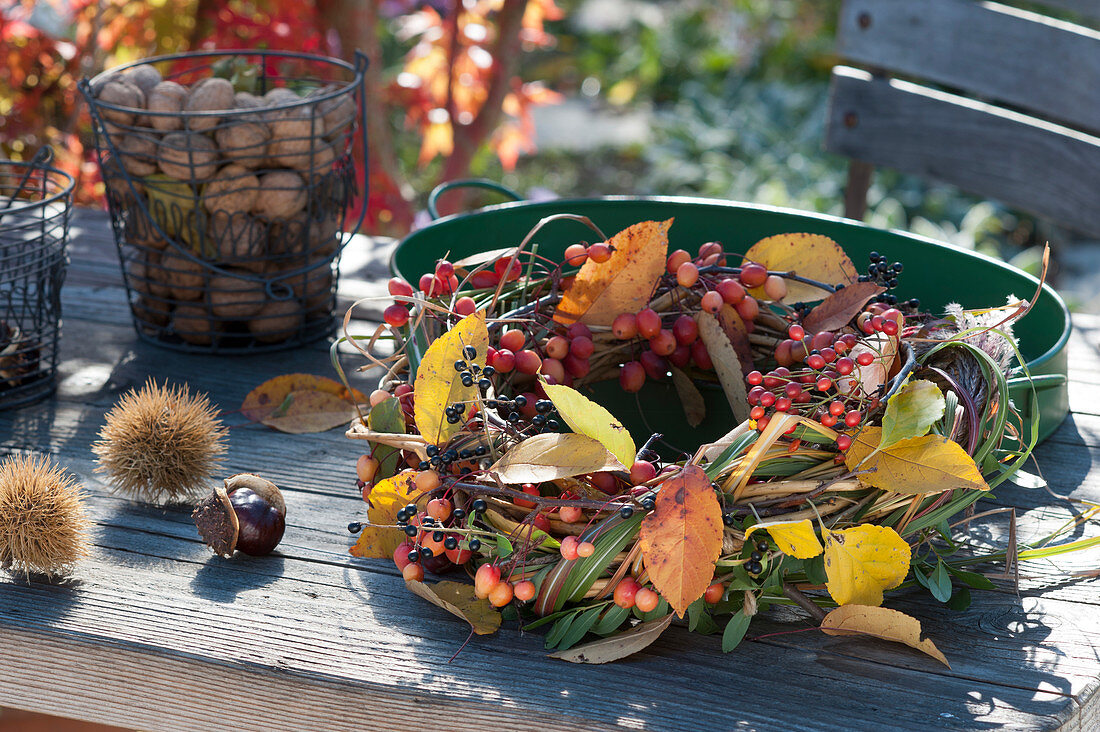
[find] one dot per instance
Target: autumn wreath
(860, 426)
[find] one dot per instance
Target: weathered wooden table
(154, 632)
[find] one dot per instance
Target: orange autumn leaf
(682, 537)
(623, 283)
(263, 401)
(809, 255)
(308, 411)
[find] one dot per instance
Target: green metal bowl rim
(560, 202)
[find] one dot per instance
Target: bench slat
(985, 49)
(1039, 167)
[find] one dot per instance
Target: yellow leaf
(809, 255)
(880, 622)
(586, 417)
(438, 384)
(794, 538)
(380, 539)
(458, 599)
(304, 412)
(682, 537)
(623, 283)
(269, 396)
(929, 464)
(862, 561)
(551, 456)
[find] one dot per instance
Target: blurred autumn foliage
(455, 80)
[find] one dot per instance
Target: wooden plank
(1037, 166)
(1047, 67)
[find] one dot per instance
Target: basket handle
(439, 190)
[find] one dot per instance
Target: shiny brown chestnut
(247, 514)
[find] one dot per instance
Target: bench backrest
(1014, 114)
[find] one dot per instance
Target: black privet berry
(453, 418)
(458, 514)
(423, 465)
(410, 508)
(425, 553)
(437, 536)
(728, 519)
(479, 505)
(465, 454)
(552, 424)
(475, 544)
(521, 401)
(469, 352)
(414, 555)
(762, 545)
(484, 384)
(873, 256)
(538, 420)
(488, 371)
(756, 556)
(542, 406)
(754, 567)
(355, 527)
(450, 543)
(481, 450)
(513, 416)
(460, 365)
(626, 512)
(411, 531)
(467, 379)
(432, 450)
(648, 504)
(402, 515)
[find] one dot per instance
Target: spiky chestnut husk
(42, 517)
(247, 514)
(160, 444)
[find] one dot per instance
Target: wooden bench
(153, 632)
(999, 101)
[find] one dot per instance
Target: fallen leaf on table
(883, 623)
(458, 599)
(304, 412)
(617, 646)
(726, 364)
(695, 407)
(794, 538)
(862, 561)
(928, 464)
(380, 538)
(836, 310)
(813, 256)
(586, 417)
(623, 283)
(269, 396)
(682, 537)
(551, 456)
(911, 412)
(438, 385)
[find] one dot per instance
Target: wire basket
(229, 175)
(35, 201)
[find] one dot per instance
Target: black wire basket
(229, 175)
(35, 201)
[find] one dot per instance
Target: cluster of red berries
(444, 282)
(562, 358)
(673, 338)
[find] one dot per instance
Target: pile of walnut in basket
(253, 191)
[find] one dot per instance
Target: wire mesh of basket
(35, 201)
(229, 175)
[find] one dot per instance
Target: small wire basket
(35, 201)
(229, 175)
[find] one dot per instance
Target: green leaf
(559, 629)
(612, 618)
(974, 579)
(699, 620)
(735, 631)
(911, 412)
(504, 547)
(580, 627)
(583, 572)
(938, 581)
(386, 416)
(815, 570)
(960, 600)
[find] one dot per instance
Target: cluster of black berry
(440, 460)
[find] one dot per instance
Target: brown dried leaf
(695, 407)
(809, 255)
(304, 412)
(262, 401)
(618, 646)
(622, 284)
(738, 335)
(458, 599)
(726, 364)
(682, 537)
(840, 307)
(883, 623)
(551, 456)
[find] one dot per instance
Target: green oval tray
(934, 272)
